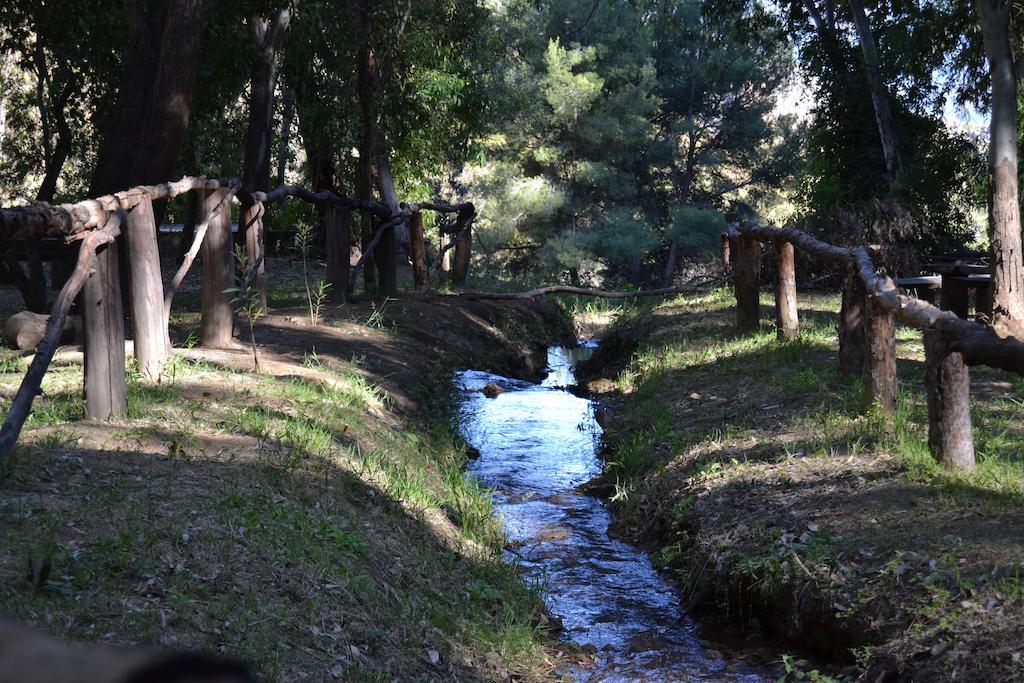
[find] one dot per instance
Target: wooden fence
(871, 305)
(98, 223)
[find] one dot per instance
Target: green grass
(289, 521)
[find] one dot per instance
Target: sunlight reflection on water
(537, 444)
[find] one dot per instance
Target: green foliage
(247, 299)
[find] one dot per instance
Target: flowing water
(538, 444)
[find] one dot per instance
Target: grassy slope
(778, 505)
(314, 521)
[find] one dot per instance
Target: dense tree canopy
(603, 141)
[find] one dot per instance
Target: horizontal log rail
(979, 344)
(43, 219)
(99, 221)
(871, 305)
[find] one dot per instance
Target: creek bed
(538, 445)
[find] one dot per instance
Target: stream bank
(781, 509)
(312, 521)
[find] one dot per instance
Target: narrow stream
(538, 444)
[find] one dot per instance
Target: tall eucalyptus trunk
(1007, 288)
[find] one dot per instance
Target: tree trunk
(267, 35)
(147, 291)
(947, 382)
(155, 99)
(670, 265)
(787, 323)
(251, 224)
(463, 248)
(852, 341)
(286, 133)
(879, 93)
(364, 177)
(216, 319)
(103, 320)
(1004, 228)
(338, 228)
(880, 375)
(418, 252)
(747, 283)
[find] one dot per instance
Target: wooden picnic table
(958, 277)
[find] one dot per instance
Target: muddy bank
(312, 521)
(782, 510)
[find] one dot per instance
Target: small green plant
(317, 302)
(247, 298)
(314, 297)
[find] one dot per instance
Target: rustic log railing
(871, 305)
(97, 223)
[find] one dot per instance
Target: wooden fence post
(147, 291)
(338, 226)
(418, 252)
(747, 283)
(880, 375)
(947, 383)
(103, 318)
(251, 221)
(852, 341)
(787, 323)
(216, 318)
(460, 266)
(387, 262)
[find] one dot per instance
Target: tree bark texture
(880, 373)
(252, 226)
(146, 131)
(418, 252)
(948, 385)
(216, 318)
(1004, 227)
(267, 35)
(747, 281)
(147, 291)
(787, 323)
(852, 341)
(463, 248)
(103, 322)
(338, 228)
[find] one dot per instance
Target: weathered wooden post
(464, 247)
(251, 222)
(787, 323)
(103, 318)
(418, 254)
(947, 383)
(747, 280)
(880, 371)
(147, 291)
(387, 262)
(338, 225)
(216, 317)
(851, 326)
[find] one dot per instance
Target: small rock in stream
(491, 390)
